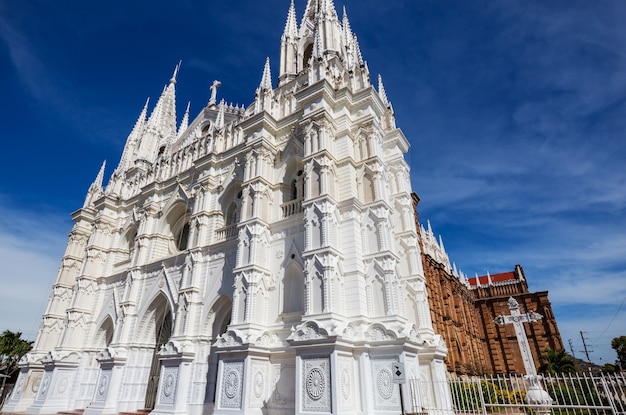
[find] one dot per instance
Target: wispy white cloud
(31, 245)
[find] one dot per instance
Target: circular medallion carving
(345, 384)
(104, 383)
(315, 383)
(258, 384)
(62, 386)
(43, 387)
(168, 384)
(35, 386)
(384, 382)
(19, 386)
(231, 384)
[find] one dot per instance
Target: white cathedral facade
(254, 260)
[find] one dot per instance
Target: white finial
(175, 74)
(489, 281)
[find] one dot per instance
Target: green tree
(609, 368)
(12, 348)
(557, 362)
(619, 345)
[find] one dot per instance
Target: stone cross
(518, 320)
(216, 84)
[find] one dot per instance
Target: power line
(613, 319)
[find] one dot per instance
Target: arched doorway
(163, 332)
(220, 314)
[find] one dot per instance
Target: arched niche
(177, 227)
(293, 290)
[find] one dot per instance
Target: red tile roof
(504, 276)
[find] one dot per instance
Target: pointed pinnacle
(381, 91)
(100, 176)
(219, 121)
(175, 74)
(347, 30)
(266, 78)
(142, 116)
(357, 52)
(291, 26)
(184, 124)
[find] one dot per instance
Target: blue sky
(516, 113)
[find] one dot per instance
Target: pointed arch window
(232, 214)
(182, 238)
(293, 290)
(308, 52)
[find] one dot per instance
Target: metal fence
(569, 394)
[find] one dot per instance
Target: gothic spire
(291, 26)
(184, 124)
(381, 91)
(141, 120)
(95, 190)
(347, 29)
(327, 9)
(163, 118)
(176, 69)
(266, 78)
(134, 136)
(100, 177)
(358, 57)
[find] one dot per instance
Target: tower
(259, 259)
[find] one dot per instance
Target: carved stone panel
(385, 392)
(102, 387)
(316, 393)
(231, 385)
(257, 386)
(167, 388)
(17, 391)
(62, 384)
(43, 387)
(347, 387)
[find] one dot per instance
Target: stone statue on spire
(216, 84)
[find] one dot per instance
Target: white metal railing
(571, 394)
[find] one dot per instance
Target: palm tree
(557, 362)
(12, 348)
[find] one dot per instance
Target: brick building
(463, 312)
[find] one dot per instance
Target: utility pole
(587, 351)
(571, 348)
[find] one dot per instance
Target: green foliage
(12, 348)
(557, 362)
(619, 345)
(609, 368)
